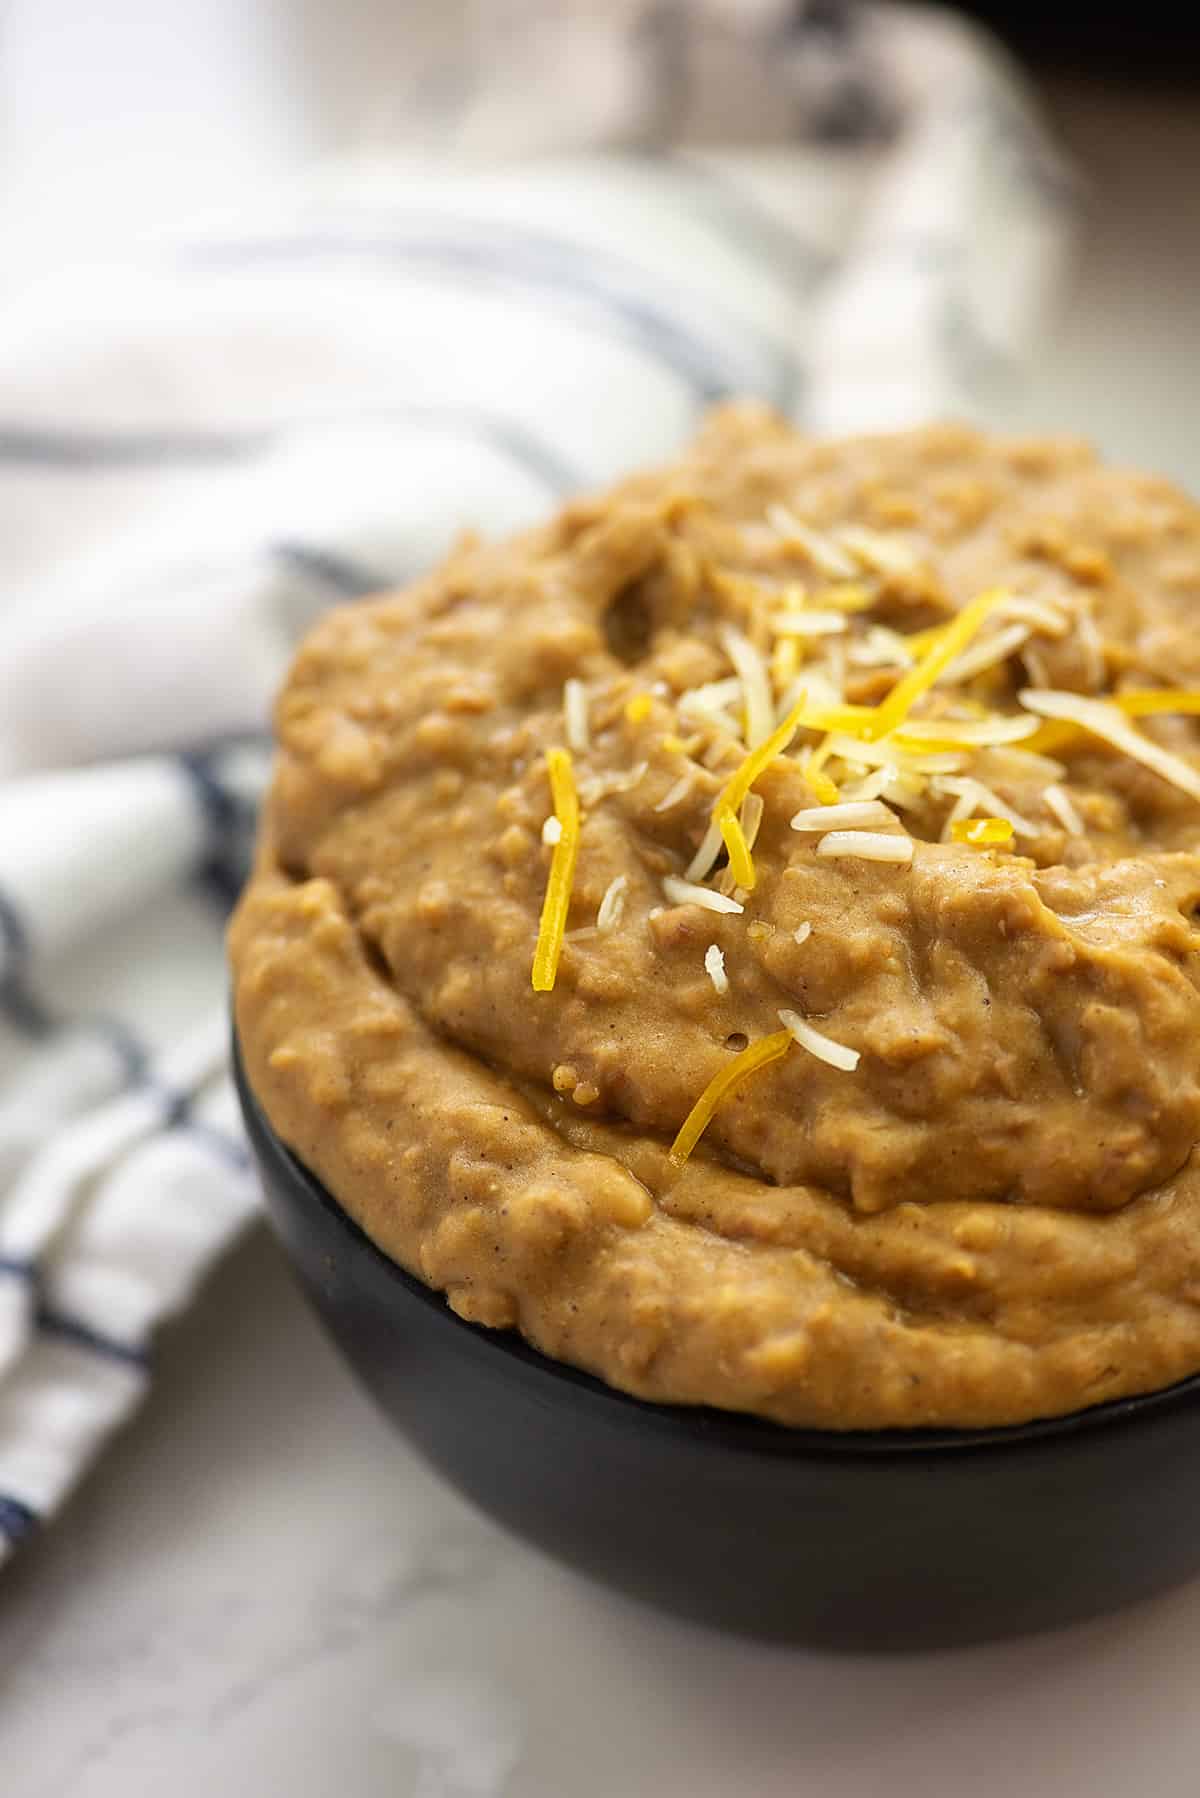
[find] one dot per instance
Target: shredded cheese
(1090, 641)
(741, 862)
(680, 790)
(977, 797)
(712, 697)
(1105, 721)
(714, 967)
(951, 641)
(822, 552)
(612, 905)
(1048, 619)
(808, 624)
(835, 1055)
(1134, 702)
(575, 716)
(1144, 702)
(815, 776)
(868, 845)
(756, 1055)
(858, 814)
(686, 892)
(987, 654)
(880, 554)
(638, 709)
(562, 871)
(849, 596)
(601, 786)
(785, 659)
(900, 790)
(701, 864)
(1060, 803)
(892, 754)
(983, 732)
(880, 648)
(552, 831)
(751, 816)
(756, 684)
(734, 792)
(981, 833)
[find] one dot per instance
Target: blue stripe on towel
(177, 1114)
(552, 271)
(14, 938)
(81, 1335)
(17, 1520)
(347, 578)
(722, 204)
(80, 448)
(20, 1007)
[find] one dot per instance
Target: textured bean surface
(996, 1214)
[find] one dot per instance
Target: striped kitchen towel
(200, 451)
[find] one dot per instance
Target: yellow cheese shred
(638, 709)
(822, 784)
(1135, 702)
(982, 833)
(758, 1055)
(562, 871)
(950, 642)
(741, 862)
(1143, 702)
(729, 800)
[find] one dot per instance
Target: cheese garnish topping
(886, 756)
(951, 640)
(557, 902)
(1107, 722)
(981, 833)
(756, 1055)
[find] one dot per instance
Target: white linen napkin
(200, 451)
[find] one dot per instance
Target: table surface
(261, 1591)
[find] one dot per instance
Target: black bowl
(873, 1539)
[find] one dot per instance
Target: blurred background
(142, 116)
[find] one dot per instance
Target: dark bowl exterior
(871, 1540)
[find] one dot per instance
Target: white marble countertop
(262, 1592)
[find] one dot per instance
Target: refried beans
(744, 934)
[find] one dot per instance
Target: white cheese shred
(756, 684)
(751, 817)
(857, 814)
(680, 790)
(976, 797)
(1112, 727)
(575, 717)
(868, 845)
(808, 624)
(686, 892)
(879, 554)
(1063, 808)
(552, 831)
(986, 654)
(714, 965)
(612, 905)
(835, 1055)
(702, 863)
(822, 552)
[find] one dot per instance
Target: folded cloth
(199, 452)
